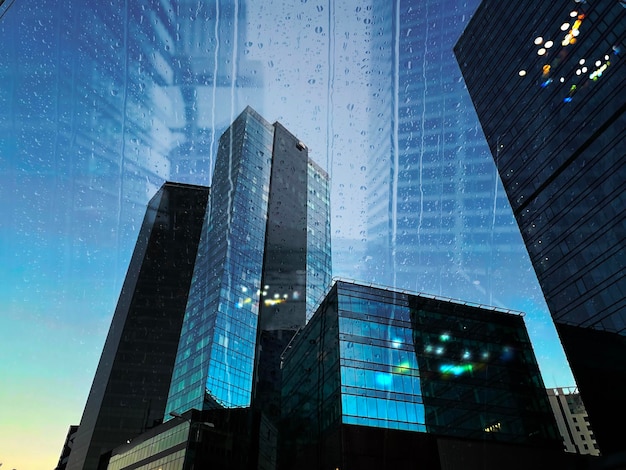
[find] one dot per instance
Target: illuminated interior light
(598, 63)
(384, 379)
(546, 69)
(562, 79)
(584, 69)
(606, 57)
(573, 14)
(244, 289)
(439, 350)
(548, 44)
(598, 72)
(455, 369)
(581, 61)
(578, 72)
(522, 73)
(493, 427)
(539, 40)
(402, 368)
(564, 26)
(575, 33)
(276, 296)
(572, 90)
(444, 337)
(541, 51)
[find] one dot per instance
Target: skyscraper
(129, 390)
(392, 366)
(264, 259)
(547, 80)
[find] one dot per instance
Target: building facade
(547, 82)
(130, 388)
(572, 420)
(388, 360)
(264, 257)
(228, 439)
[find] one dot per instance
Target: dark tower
(547, 80)
(129, 391)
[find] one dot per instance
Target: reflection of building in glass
(264, 257)
(547, 80)
(391, 360)
(572, 420)
(438, 221)
(103, 102)
(209, 74)
(129, 390)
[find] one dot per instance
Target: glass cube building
(380, 358)
(264, 256)
(547, 80)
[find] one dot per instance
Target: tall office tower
(378, 369)
(547, 80)
(572, 420)
(129, 390)
(264, 259)
(438, 219)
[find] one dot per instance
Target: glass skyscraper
(386, 359)
(129, 390)
(264, 256)
(547, 80)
